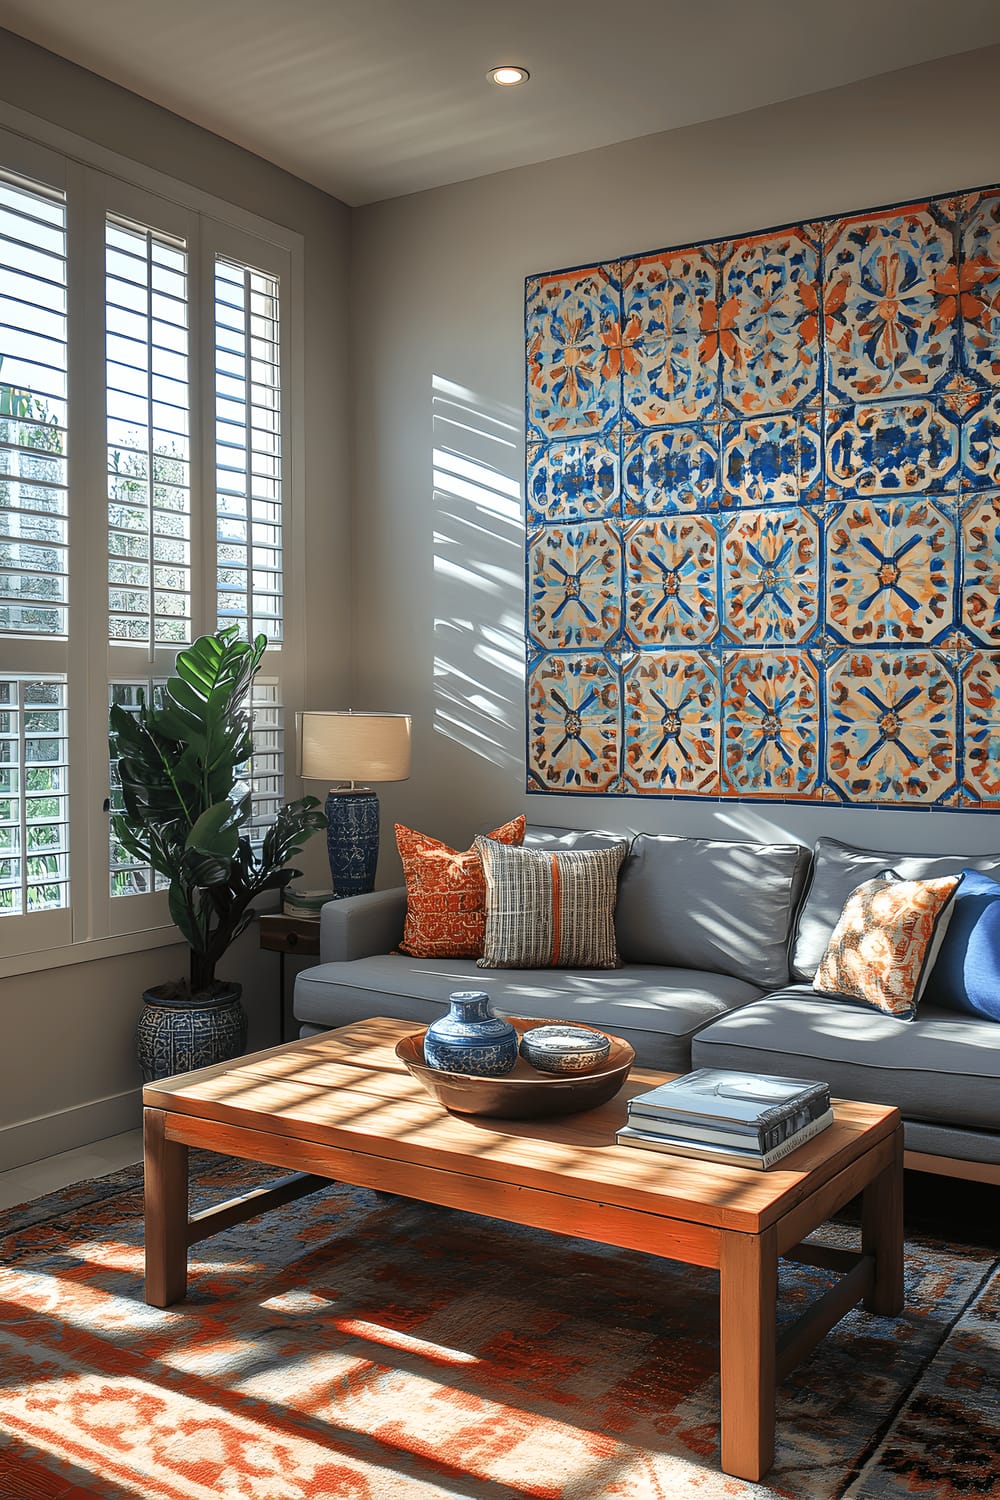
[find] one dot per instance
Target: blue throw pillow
(966, 975)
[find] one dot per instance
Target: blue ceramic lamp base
(352, 821)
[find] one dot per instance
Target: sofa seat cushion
(655, 1009)
(942, 1068)
(946, 1140)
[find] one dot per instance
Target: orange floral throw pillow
(446, 893)
(885, 942)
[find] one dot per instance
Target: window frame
(98, 182)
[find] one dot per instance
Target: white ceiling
(370, 99)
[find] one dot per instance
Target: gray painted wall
(68, 1073)
(438, 349)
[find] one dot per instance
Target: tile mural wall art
(763, 515)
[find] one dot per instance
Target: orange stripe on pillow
(556, 931)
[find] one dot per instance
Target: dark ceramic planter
(177, 1035)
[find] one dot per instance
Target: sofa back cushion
(966, 975)
(708, 904)
(539, 836)
(838, 869)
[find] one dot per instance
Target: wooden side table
(284, 935)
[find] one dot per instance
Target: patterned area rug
(361, 1346)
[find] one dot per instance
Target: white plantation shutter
(33, 496)
(34, 807)
(148, 443)
(248, 450)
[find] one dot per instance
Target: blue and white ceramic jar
(470, 1038)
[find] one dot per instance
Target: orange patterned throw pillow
(883, 946)
(446, 893)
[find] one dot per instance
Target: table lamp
(353, 747)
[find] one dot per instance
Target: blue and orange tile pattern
(763, 513)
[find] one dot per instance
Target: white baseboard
(67, 1129)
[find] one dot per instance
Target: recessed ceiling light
(508, 76)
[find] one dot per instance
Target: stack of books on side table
(299, 903)
(742, 1119)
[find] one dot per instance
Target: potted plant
(181, 762)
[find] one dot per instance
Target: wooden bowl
(524, 1094)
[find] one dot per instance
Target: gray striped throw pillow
(550, 911)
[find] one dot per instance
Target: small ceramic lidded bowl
(564, 1049)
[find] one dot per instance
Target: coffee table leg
(882, 1234)
(166, 1204)
(748, 1293)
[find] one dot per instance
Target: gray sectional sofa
(719, 943)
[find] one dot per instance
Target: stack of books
(742, 1119)
(298, 903)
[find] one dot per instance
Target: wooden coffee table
(341, 1106)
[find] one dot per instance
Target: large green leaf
(215, 831)
(181, 914)
(149, 803)
(171, 725)
(189, 706)
(125, 731)
(166, 848)
(239, 798)
(221, 662)
(208, 700)
(199, 664)
(294, 824)
(202, 870)
(130, 838)
(211, 846)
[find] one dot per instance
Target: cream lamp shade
(347, 746)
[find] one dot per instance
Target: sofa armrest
(360, 926)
